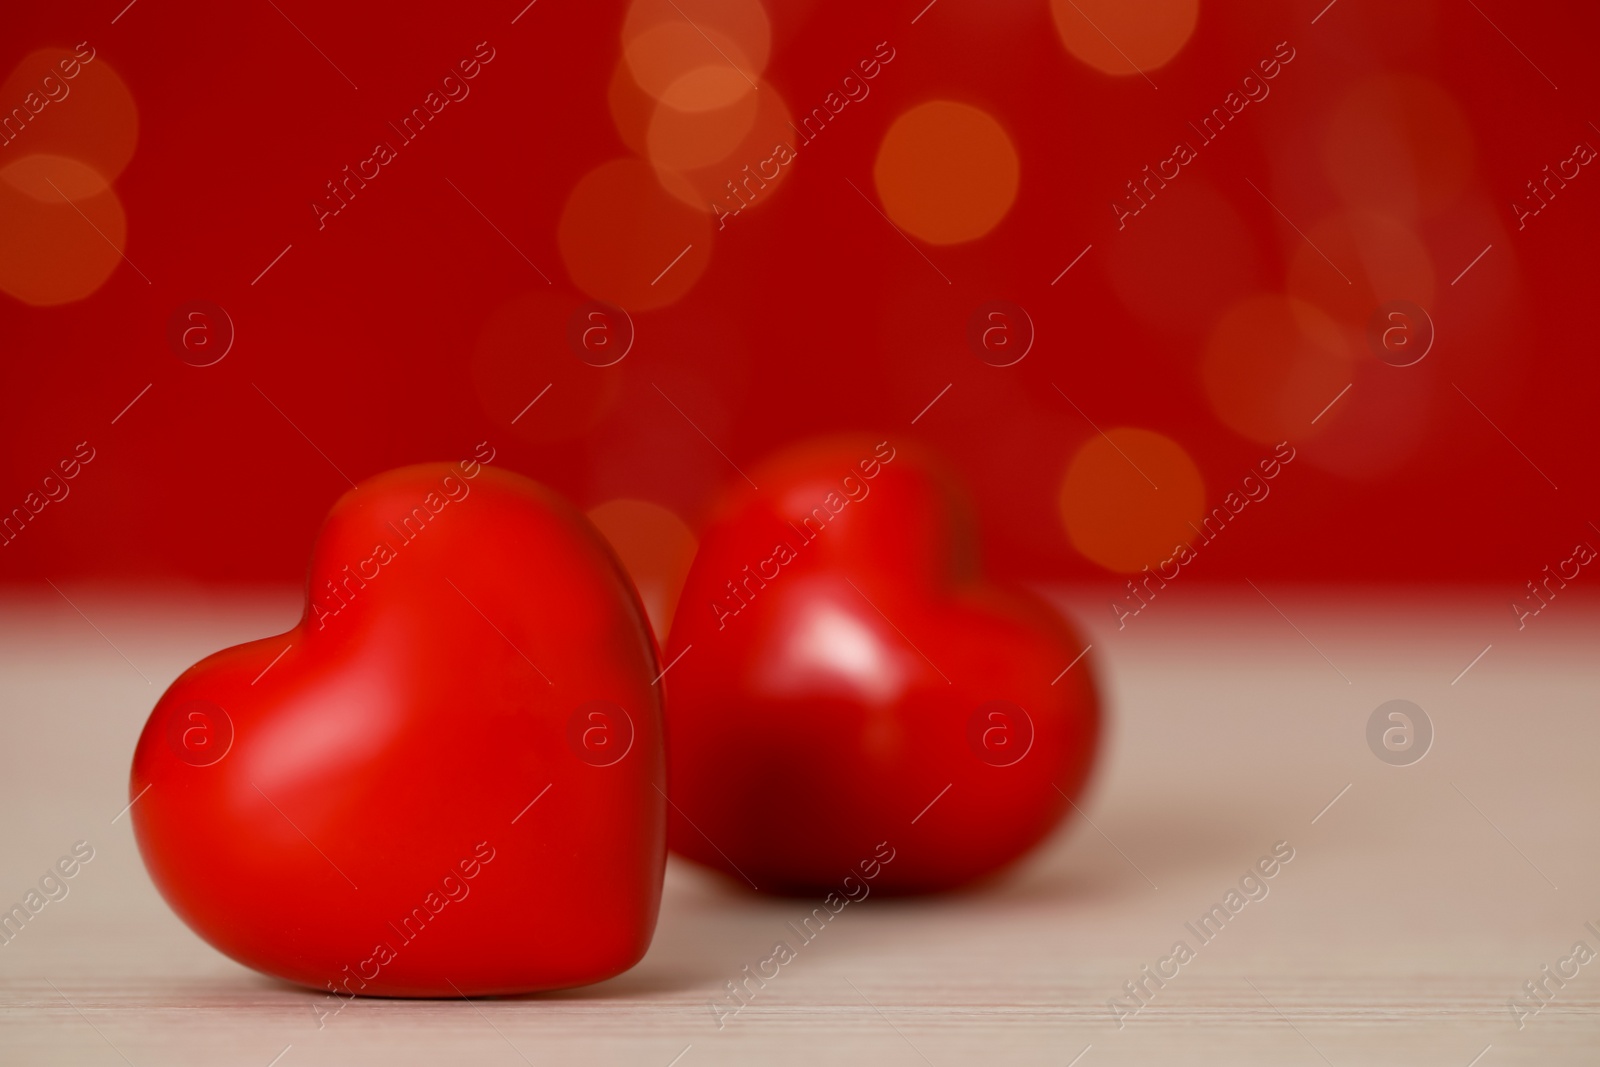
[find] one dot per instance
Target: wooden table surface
(1414, 909)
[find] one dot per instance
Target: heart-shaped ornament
(446, 780)
(850, 688)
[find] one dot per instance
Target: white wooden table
(1415, 908)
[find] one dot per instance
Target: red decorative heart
(446, 779)
(850, 687)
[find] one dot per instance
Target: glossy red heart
(446, 779)
(848, 682)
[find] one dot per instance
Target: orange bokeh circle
(1399, 143)
(1125, 37)
(663, 54)
(1129, 497)
(89, 116)
(683, 137)
(1272, 364)
(1382, 259)
(946, 172)
(64, 230)
(664, 39)
(755, 167)
(631, 108)
(625, 240)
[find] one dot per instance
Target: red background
(812, 315)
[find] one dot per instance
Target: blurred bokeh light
(794, 211)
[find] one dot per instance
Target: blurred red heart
(444, 780)
(848, 680)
